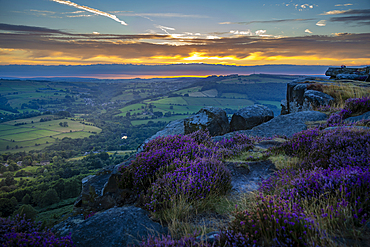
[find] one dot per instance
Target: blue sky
(163, 32)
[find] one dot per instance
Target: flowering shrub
(337, 147)
(185, 167)
(192, 180)
(22, 232)
(355, 106)
(274, 221)
(235, 145)
(352, 106)
(350, 184)
(161, 152)
(168, 241)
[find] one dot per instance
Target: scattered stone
(250, 116)
(213, 119)
(118, 226)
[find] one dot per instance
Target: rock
(283, 125)
(246, 176)
(348, 127)
(118, 226)
(101, 191)
(316, 98)
(298, 98)
(250, 116)
(213, 119)
(173, 128)
(365, 116)
(270, 143)
(361, 74)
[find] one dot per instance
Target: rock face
(101, 192)
(119, 226)
(213, 119)
(250, 116)
(283, 125)
(299, 98)
(361, 74)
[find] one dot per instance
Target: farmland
(31, 134)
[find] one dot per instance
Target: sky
(159, 32)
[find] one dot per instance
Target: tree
(28, 211)
(26, 199)
(14, 201)
(50, 197)
(6, 207)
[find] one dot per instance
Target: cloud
(321, 23)
(162, 15)
(95, 11)
(164, 29)
(48, 44)
(307, 31)
(359, 16)
(347, 4)
(21, 28)
(334, 12)
(270, 21)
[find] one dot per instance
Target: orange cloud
(35, 45)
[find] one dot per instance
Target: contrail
(95, 11)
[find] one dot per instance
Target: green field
(275, 103)
(36, 135)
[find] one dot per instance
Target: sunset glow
(54, 33)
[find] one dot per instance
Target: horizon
(130, 71)
(240, 33)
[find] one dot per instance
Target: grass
(343, 91)
(164, 119)
(36, 135)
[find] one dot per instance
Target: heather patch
(273, 221)
(338, 147)
(196, 180)
(22, 232)
(182, 167)
(168, 241)
(161, 152)
(351, 186)
(352, 107)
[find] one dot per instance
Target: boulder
(101, 191)
(365, 116)
(118, 226)
(283, 125)
(250, 116)
(299, 98)
(213, 119)
(316, 98)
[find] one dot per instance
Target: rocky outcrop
(213, 119)
(250, 116)
(300, 98)
(119, 226)
(360, 74)
(283, 125)
(100, 192)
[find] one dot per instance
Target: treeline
(52, 183)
